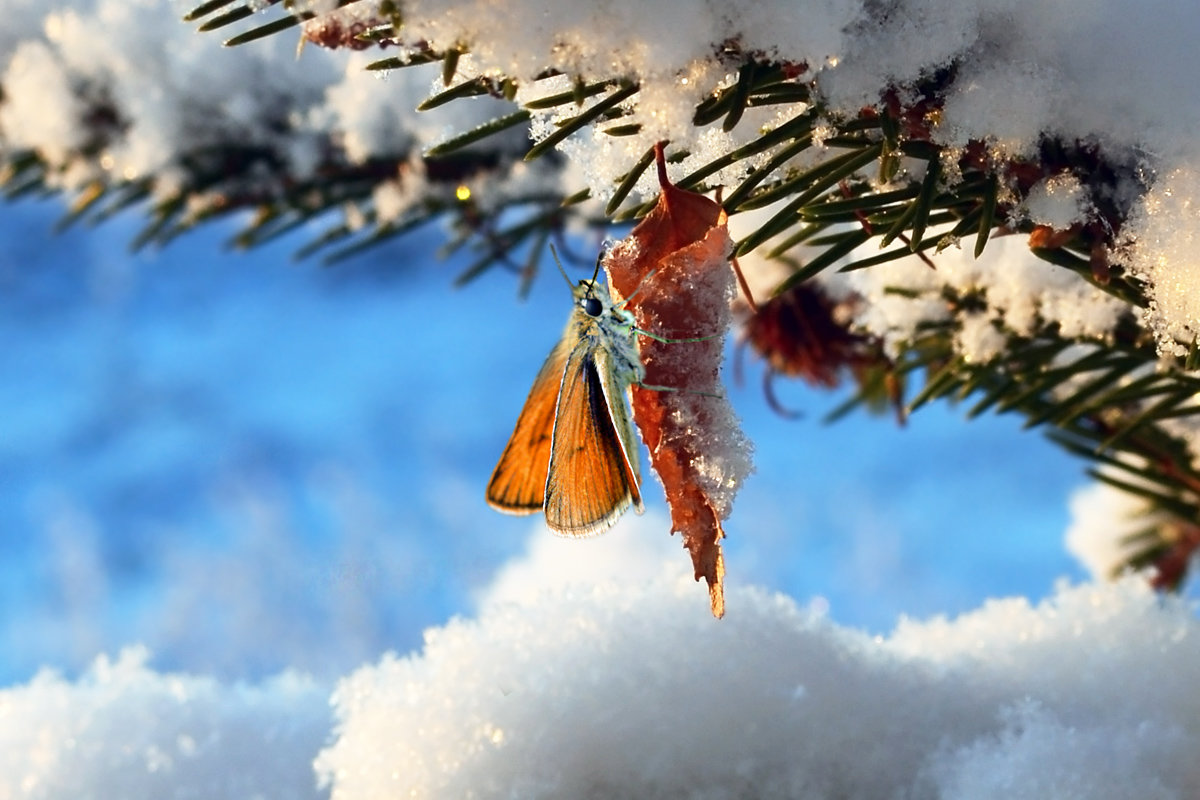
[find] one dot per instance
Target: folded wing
(593, 475)
(518, 484)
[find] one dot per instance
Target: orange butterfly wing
(518, 484)
(593, 475)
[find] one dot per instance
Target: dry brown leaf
(674, 270)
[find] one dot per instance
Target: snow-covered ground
(622, 685)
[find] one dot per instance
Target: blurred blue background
(249, 463)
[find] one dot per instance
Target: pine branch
(837, 193)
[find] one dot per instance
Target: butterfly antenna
(561, 271)
(596, 273)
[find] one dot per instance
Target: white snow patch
(628, 691)
(598, 671)
(1059, 202)
(1164, 248)
(1102, 519)
(124, 730)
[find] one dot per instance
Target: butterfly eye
(592, 306)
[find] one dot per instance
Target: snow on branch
(858, 146)
(119, 102)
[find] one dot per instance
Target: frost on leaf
(674, 270)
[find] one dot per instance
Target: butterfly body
(573, 453)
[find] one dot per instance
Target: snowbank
(634, 692)
(125, 731)
(627, 688)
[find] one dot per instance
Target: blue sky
(248, 463)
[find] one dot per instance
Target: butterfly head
(589, 297)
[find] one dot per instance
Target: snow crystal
(1164, 238)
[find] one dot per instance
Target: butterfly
(573, 453)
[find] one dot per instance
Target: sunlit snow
(566, 683)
